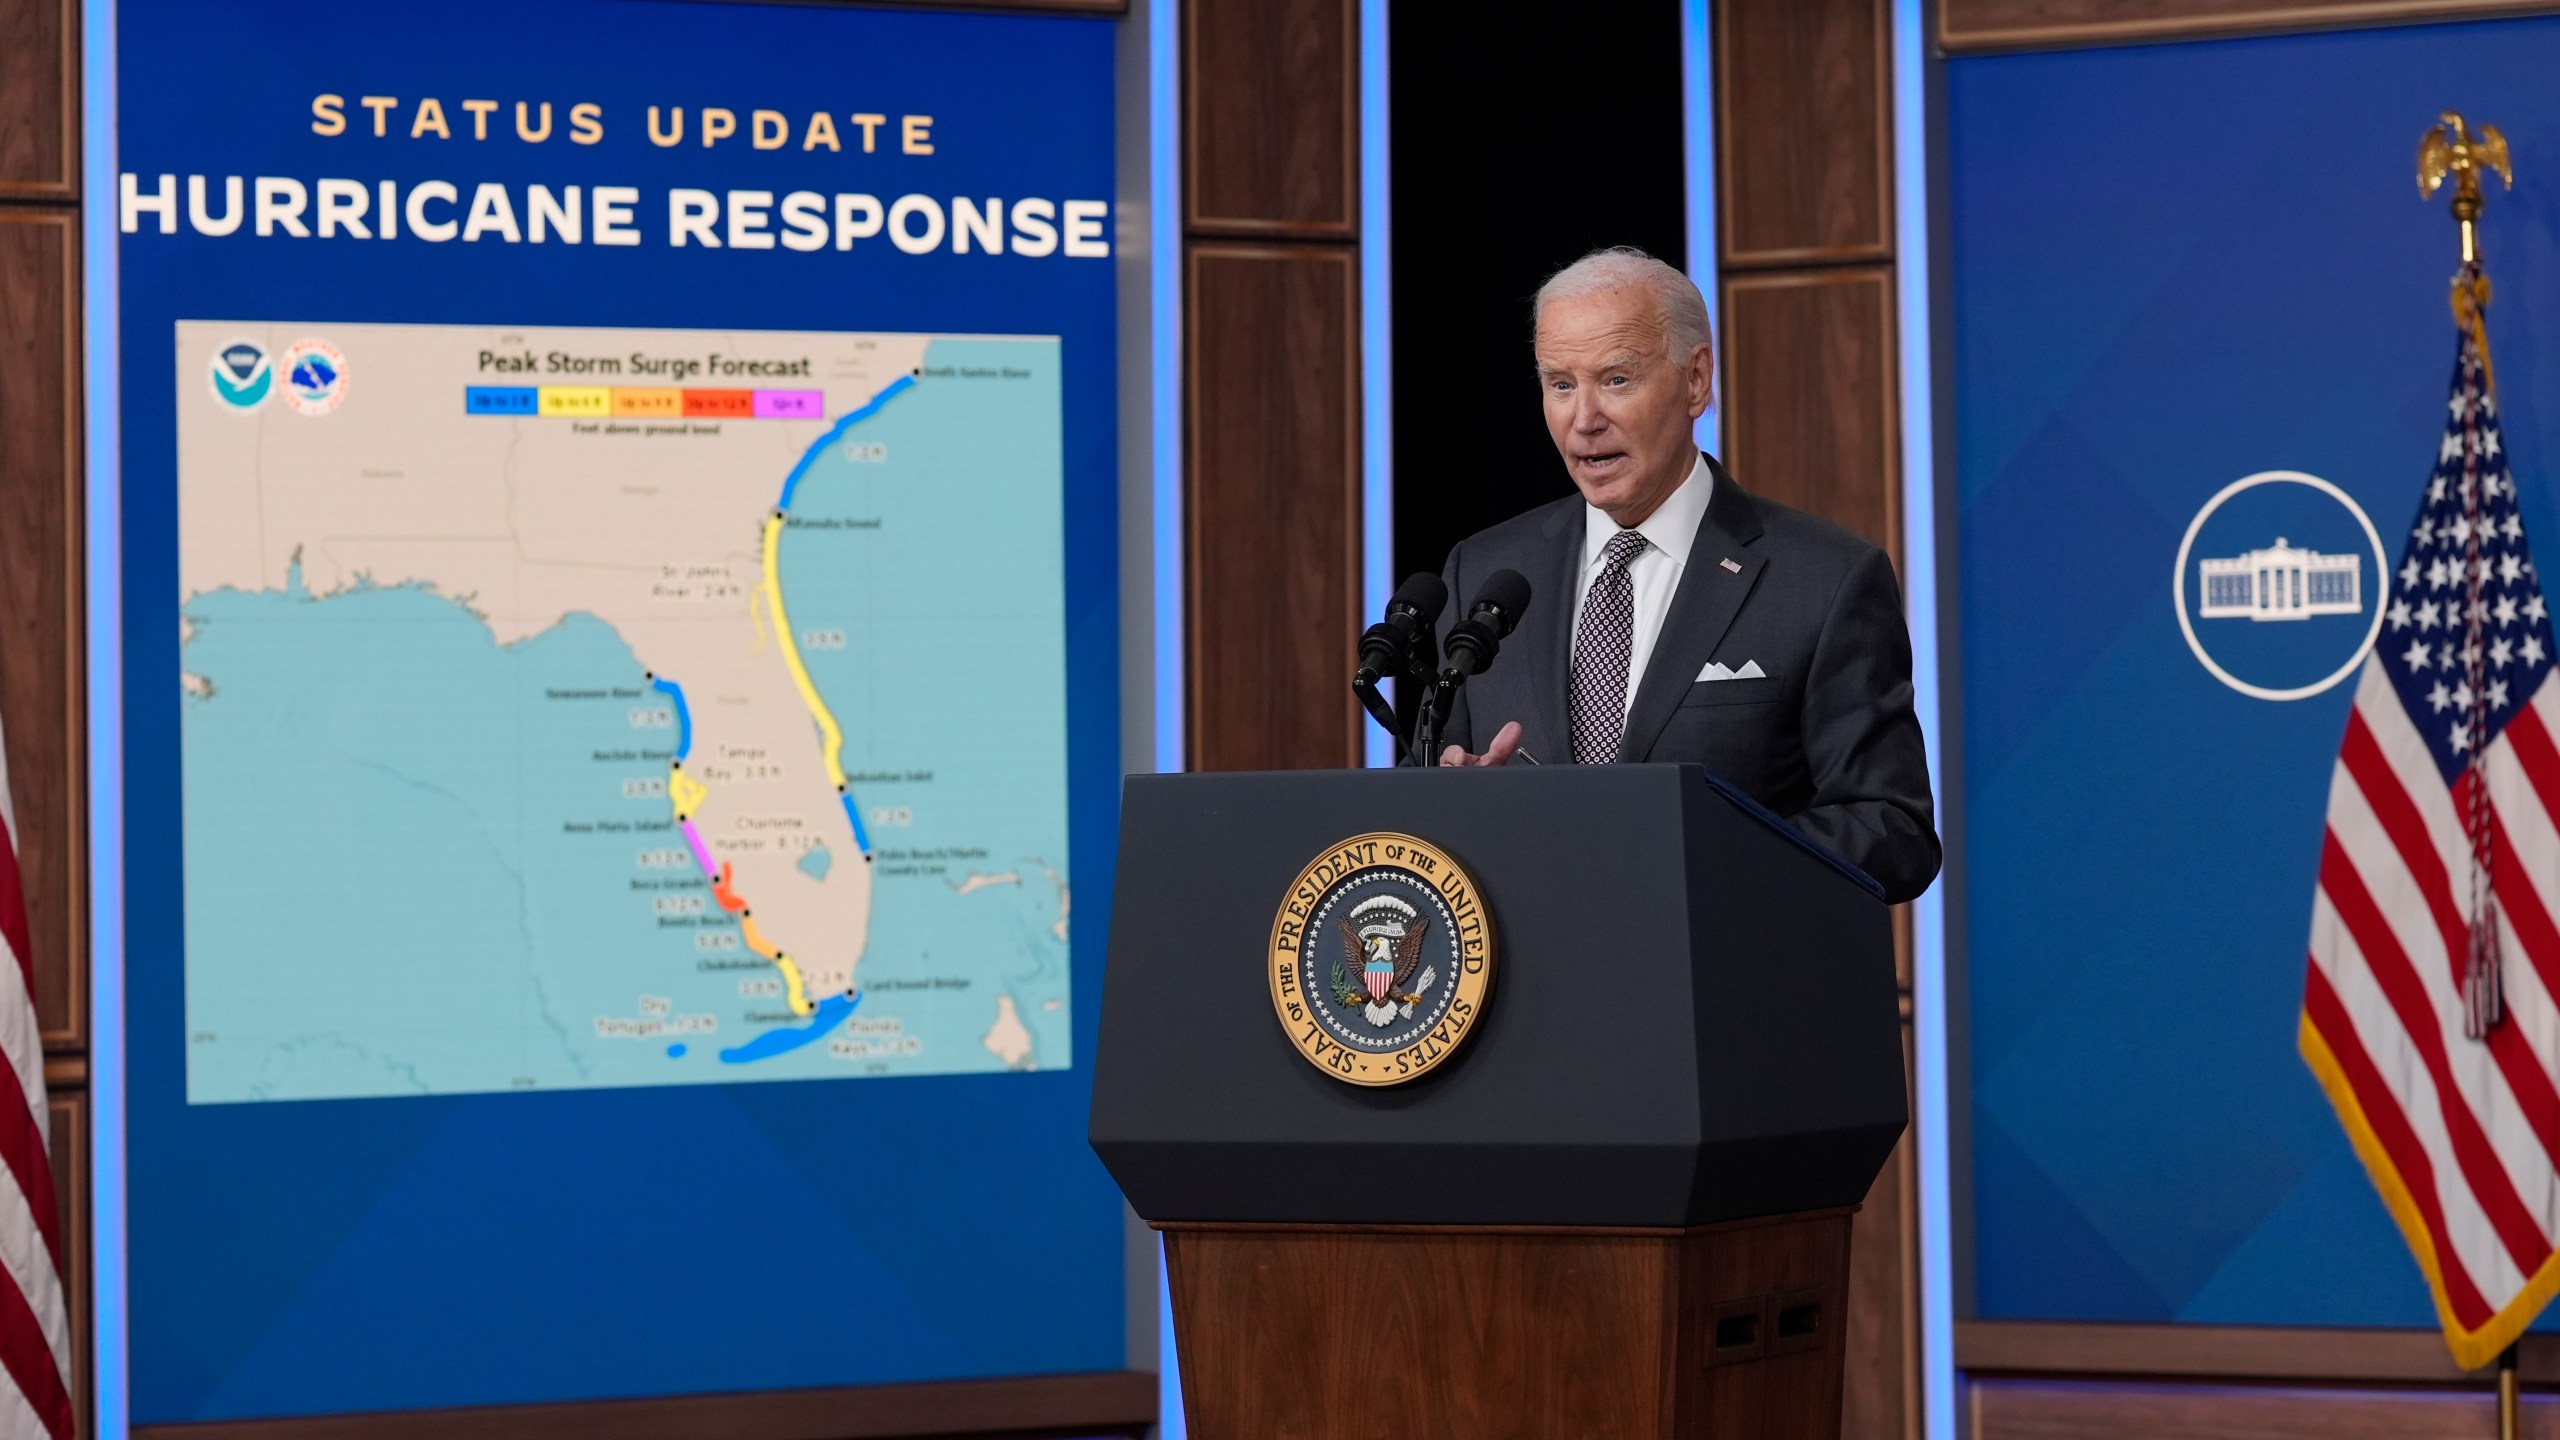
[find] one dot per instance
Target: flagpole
(2508, 1400)
(2452, 150)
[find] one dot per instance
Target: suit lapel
(1702, 609)
(1559, 570)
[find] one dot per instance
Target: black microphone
(1475, 641)
(1472, 644)
(1387, 645)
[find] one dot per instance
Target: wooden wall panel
(41, 582)
(40, 576)
(2254, 1353)
(39, 100)
(1271, 381)
(1119, 1403)
(1812, 412)
(1804, 167)
(1272, 430)
(69, 1144)
(1271, 118)
(1977, 25)
(1881, 1376)
(2053, 1410)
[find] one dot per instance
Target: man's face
(1618, 405)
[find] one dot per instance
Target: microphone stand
(1375, 702)
(1434, 712)
(1430, 708)
(1472, 644)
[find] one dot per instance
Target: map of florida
(682, 559)
(830, 977)
(681, 518)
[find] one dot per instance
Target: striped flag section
(2428, 1013)
(35, 1325)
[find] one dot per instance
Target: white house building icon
(2281, 583)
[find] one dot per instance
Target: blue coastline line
(831, 1013)
(684, 717)
(836, 431)
(790, 486)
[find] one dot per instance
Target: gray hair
(1684, 310)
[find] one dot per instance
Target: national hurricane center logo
(1380, 959)
(315, 376)
(241, 375)
(2278, 585)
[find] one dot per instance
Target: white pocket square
(1716, 671)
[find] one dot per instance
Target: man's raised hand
(1506, 743)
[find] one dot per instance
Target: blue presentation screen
(618, 512)
(2200, 331)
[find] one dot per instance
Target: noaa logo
(1380, 959)
(242, 378)
(315, 377)
(2273, 587)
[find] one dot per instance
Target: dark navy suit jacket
(1825, 735)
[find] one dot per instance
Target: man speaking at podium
(1674, 616)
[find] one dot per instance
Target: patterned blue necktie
(1601, 653)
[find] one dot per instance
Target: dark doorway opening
(1520, 138)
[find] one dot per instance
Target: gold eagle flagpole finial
(2451, 149)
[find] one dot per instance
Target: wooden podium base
(1321, 1332)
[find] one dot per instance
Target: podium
(1619, 1207)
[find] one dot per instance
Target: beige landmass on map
(526, 521)
(1009, 1040)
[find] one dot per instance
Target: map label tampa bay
(580, 707)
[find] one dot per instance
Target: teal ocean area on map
(969, 845)
(420, 861)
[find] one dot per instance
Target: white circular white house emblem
(2285, 547)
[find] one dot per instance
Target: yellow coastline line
(684, 792)
(790, 973)
(791, 650)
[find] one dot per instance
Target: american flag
(2428, 1013)
(35, 1327)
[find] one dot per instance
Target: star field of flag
(2426, 630)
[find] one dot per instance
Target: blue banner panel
(619, 508)
(2201, 359)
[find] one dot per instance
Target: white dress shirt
(1655, 574)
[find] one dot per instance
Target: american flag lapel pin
(1731, 564)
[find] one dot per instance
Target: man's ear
(1701, 380)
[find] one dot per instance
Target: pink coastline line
(700, 852)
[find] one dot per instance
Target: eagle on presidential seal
(1381, 943)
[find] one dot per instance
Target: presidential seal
(1380, 959)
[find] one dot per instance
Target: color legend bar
(576, 402)
(647, 404)
(791, 404)
(721, 404)
(502, 400)
(592, 402)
